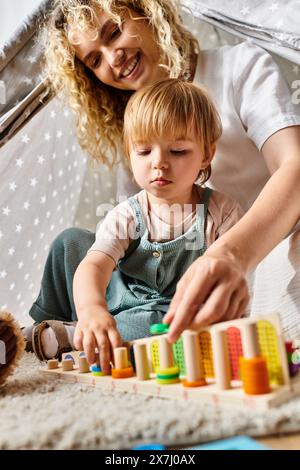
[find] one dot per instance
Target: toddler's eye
(178, 152)
(143, 152)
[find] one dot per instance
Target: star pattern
(49, 187)
(272, 14)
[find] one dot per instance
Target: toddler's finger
(78, 340)
(103, 346)
(89, 345)
(115, 338)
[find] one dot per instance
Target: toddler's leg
(55, 300)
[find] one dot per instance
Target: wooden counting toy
(243, 363)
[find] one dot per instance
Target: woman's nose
(115, 57)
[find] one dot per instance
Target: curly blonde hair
(98, 107)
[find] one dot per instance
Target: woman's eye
(143, 152)
(115, 33)
(96, 61)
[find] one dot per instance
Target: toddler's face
(167, 169)
(126, 59)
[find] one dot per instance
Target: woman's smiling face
(126, 59)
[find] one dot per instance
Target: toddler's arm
(96, 327)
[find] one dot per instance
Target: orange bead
(197, 383)
(122, 373)
(254, 375)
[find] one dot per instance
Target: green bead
(159, 328)
(167, 377)
(167, 381)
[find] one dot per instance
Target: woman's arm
(214, 287)
(96, 327)
(276, 209)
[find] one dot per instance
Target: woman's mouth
(133, 68)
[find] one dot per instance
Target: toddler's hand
(96, 328)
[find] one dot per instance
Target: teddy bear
(12, 345)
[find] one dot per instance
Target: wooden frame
(214, 393)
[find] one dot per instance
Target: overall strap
(139, 218)
(202, 214)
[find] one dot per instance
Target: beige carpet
(37, 412)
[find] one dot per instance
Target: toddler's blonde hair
(172, 109)
(99, 108)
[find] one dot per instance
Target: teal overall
(144, 282)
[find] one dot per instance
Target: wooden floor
(286, 442)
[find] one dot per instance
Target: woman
(99, 52)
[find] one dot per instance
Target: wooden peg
(221, 359)
(83, 365)
(192, 356)
(166, 358)
(67, 365)
(141, 361)
(250, 341)
(121, 358)
(52, 364)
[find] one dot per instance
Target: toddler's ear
(213, 150)
(209, 156)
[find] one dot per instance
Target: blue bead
(96, 368)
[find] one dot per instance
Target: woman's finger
(190, 292)
(229, 309)
(177, 298)
(233, 307)
(243, 305)
(214, 308)
(191, 300)
(239, 303)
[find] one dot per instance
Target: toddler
(145, 244)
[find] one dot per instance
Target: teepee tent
(47, 184)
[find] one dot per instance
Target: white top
(254, 101)
(116, 231)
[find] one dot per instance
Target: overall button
(156, 254)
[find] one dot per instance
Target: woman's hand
(213, 289)
(96, 328)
